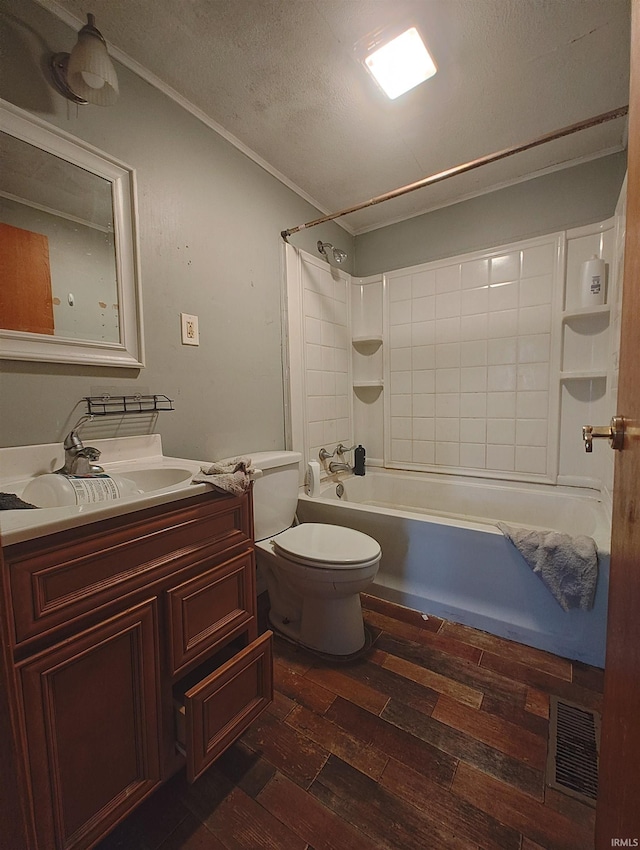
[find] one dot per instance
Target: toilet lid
(326, 545)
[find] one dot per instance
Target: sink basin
(52, 490)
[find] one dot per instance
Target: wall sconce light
(86, 75)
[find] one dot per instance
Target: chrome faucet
(336, 466)
(78, 458)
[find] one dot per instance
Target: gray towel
(231, 476)
(567, 565)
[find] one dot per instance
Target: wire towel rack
(108, 405)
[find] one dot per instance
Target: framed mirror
(69, 276)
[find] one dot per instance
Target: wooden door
(26, 301)
(618, 809)
(91, 718)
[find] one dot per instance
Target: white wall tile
(473, 379)
(399, 287)
(501, 431)
(501, 405)
(401, 427)
(448, 278)
(402, 450)
(447, 330)
(475, 301)
(473, 430)
(473, 404)
(313, 356)
(533, 377)
(534, 348)
(423, 309)
(475, 273)
(501, 457)
(506, 267)
(504, 323)
(401, 405)
(473, 352)
(534, 320)
(502, 351)
(447, 404)
(423, 428)
(424, 381)
(538, 260)
(424, 405)
(401, 383)
(447, 380)
(448, 355)
(424, 452)
(422, 333)
(327, 334)
(531, 459)
(473, 455)
(532, 405)
(448, 454)
(313, 330)
(423, 356)
(531, 432)
(535, 291)
(448, 305)
(328, 358)
(423, 284)
(501, 378)
(314, 382)
(474, 327)
(503, 296)
(400, 336)
(328, 383)
(400, 359)
(400, 312)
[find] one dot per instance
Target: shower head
(339, 256)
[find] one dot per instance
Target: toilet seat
(324, 546)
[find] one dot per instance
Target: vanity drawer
(217, 710)
(209, 608)
(69, 574)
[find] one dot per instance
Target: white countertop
(20, 464)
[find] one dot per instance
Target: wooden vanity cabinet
(130, 647)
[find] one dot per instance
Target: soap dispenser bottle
(359, 456)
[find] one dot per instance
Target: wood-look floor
(436, 739)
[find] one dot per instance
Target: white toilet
(314, 572)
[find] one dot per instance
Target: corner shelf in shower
(584, 375)
(361, 384)
(584, 312)
(373, 341)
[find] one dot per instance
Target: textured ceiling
(282, 77)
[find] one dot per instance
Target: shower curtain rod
(467, 166)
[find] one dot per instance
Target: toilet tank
(275, 492)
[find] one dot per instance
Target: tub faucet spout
(336, 466)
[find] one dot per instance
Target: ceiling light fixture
(401, 64)
(86, 75)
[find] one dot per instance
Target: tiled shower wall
(470, 359)
(326, 351)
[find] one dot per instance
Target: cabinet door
(92, 725)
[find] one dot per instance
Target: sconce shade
(87, 75)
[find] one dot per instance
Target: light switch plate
(190, 332)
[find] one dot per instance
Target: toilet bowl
(314, 572)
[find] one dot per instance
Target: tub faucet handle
(340, 449)
(614, 432)
(323, 454)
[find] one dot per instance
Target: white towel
(233, 475)
(567, 565)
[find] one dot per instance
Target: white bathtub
(442, 553)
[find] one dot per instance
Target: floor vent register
(574, 749)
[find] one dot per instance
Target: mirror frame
(129, 351)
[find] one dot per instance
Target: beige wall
(209, 229)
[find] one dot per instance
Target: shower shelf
(584, 375)
(367, 340)
(108, 405)
(376, 383)
(584, 312)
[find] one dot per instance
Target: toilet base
(331, 626)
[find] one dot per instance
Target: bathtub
(442, 553)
